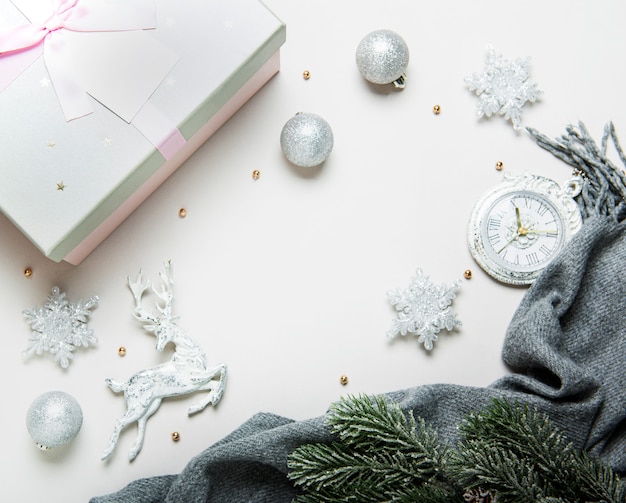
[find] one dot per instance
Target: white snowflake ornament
(423, 309)
(503, 87)
(59, 327)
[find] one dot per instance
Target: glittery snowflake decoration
(59, 327)
(423, 309)
(503, 87)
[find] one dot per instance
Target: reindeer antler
(138, 288)
(165, 295)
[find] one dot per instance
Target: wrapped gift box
(102, 114)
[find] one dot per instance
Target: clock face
(522, 231)
(519, 227)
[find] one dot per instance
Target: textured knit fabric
(565, 346)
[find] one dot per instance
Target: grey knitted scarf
(565, 347)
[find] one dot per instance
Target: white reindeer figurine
(185, 373)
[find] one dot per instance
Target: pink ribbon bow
(21, 45)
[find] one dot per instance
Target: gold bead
(121, 351)
(499, 165)
(182, 213)
(28, 272)
(468, 274)
(436, 109)
(343, 379)
(175, 436)
(306, 75)
(256, 174)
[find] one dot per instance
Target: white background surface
(284, 278)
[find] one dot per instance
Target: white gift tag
(95, 13)
(121, 70)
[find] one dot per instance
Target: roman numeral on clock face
(532, 258)
(494, 224)
(541, 211)
(545, 250)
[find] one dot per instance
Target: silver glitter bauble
(54, 419)
(306, 140)
(382, 57)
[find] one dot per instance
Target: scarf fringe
(604, 188)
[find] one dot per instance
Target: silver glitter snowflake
(503, 87)
(59, 327)
(423, 309)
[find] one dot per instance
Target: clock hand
(507, 243)
(521, 231)
(519, 219)
(542, 231)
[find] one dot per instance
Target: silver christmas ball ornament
(54, 419)
(306, 140)
(382, 58)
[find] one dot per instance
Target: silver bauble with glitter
(54, 419)
(306, 140)
(382, 57)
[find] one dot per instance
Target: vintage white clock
(518, 227)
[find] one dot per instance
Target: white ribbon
(21, 45)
